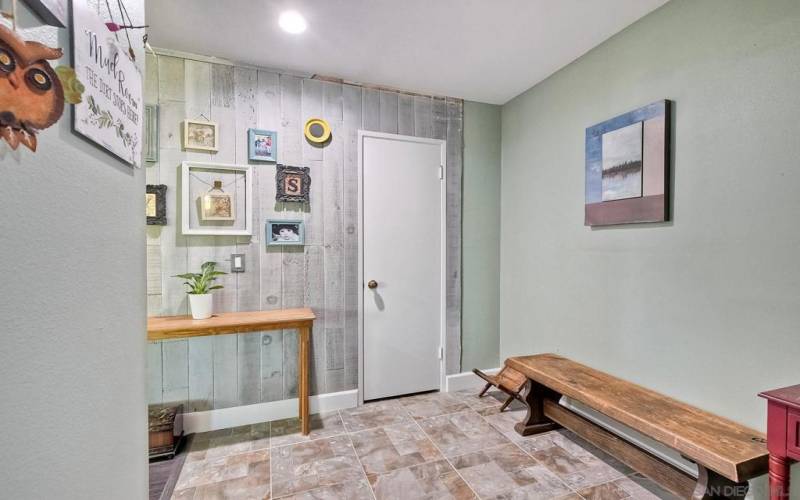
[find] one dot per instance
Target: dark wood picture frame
(284, 173)
(160, 192)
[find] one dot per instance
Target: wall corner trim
(467, 380)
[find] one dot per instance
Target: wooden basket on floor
(507, 380)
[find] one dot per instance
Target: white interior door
(402, 252)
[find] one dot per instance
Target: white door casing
(402, 246)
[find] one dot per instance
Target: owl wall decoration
(31, 94)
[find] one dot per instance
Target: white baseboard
(203, 421)
(467, 380)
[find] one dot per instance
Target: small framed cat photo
(262, 145)
(285, 232)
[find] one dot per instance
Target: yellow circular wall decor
(317, 130)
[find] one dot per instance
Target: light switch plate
(237, 262)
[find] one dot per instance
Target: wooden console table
(181, 327)
(783, 437)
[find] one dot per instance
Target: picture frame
(150, 146)
(628, 167)
(285, 232)
(293, 184)
(262, 145)
(193, 188)
(200, 135)
(156, 204)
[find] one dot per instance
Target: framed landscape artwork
(200, 135)
(627, 167)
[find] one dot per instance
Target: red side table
(783, 437)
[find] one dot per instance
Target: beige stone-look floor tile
(287, 431)
(245, 488)
(576, 462)
(429, 481)
(372, 415)
(432, 404)
(626, 488)
(354, 490)
(492, 400)
(255, 464)
(504, 422)
(508, 472)
(460, 433)
(215, 444)
(306, 466)
(388, 448)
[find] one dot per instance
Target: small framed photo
(292, 184)
(156, 205)
(285, 232)
(262, 145)
(200, 135)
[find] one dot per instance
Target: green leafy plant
(203, 282)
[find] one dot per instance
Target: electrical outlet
(237, 262)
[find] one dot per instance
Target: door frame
(362, 134)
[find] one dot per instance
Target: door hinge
(441, 353)
(441, 171)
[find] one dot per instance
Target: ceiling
(481, 50)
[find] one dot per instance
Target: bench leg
(535, 422)
(712, 486)
(486, 388)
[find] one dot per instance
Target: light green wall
(705, 308)
(72, 362)
(481, 237)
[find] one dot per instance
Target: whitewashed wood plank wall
(231, 370)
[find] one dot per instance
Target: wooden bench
(727, 454)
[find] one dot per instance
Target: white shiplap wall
(231, 370)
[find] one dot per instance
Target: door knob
(372, 284)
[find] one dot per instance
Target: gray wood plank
(175, 371)
(249, 365)
(153, 270)
(453, 282)
(439, 118)
(352, 122)
(371, 106)
(154, 378)
(293, 290)
(172, 111)
(201, 374)
(272, 366)
(388, 112)
(405, 114)
(248, 284)
(311, 108)
(226, 376)
(170, 78)
(423, 116)
(333, 250)
(315, 299)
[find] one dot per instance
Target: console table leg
(778, 478)
(535, 422)
(712, 486)
(304, 338)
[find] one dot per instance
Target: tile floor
(430, 446)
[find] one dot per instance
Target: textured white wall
(72, 310)
(705, 308)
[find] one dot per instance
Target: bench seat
(731, 450)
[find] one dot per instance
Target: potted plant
(200, 286)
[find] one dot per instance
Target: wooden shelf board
(177, 327)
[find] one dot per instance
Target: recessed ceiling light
(292, 22)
